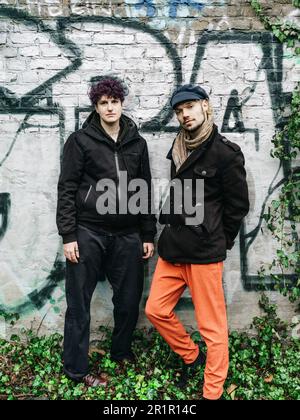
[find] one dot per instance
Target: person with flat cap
(192, 255)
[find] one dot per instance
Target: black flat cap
(187, 93)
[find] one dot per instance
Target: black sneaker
(130, 358)
(189, 369)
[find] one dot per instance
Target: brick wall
(49, 53)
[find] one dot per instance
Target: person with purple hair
(102, 244)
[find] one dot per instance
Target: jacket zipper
(118, 175)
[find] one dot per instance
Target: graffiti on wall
(150, 8)
(173, 6)
(50, 103)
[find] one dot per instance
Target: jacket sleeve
(69, 180)
(235, 194)
(148, 221)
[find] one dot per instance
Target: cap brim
(183, 97)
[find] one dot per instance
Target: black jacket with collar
(220, 163)
(90, 155)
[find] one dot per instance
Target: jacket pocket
(87, 194)
(182, 242)
(86, 198)
(200, 230)
(81, 195)
(202, 172)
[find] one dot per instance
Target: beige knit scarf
(184, 145)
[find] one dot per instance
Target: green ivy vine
(286, 32)
(283, 214)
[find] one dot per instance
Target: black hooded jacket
(90, 155)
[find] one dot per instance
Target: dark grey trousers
(120, 259)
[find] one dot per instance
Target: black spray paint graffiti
(272, 64)
(234, 107)
(4, 212)
(29, 104)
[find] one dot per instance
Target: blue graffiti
(175, 3)
(151, 10)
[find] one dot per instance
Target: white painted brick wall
(30, 58)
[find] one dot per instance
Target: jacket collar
(193, 157)
(128, 130)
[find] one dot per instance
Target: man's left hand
(148, 250)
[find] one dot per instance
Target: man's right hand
(71, 251)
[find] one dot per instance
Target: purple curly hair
(108, 86)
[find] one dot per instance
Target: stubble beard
(194, 129)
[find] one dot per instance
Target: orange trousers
(205, 284)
